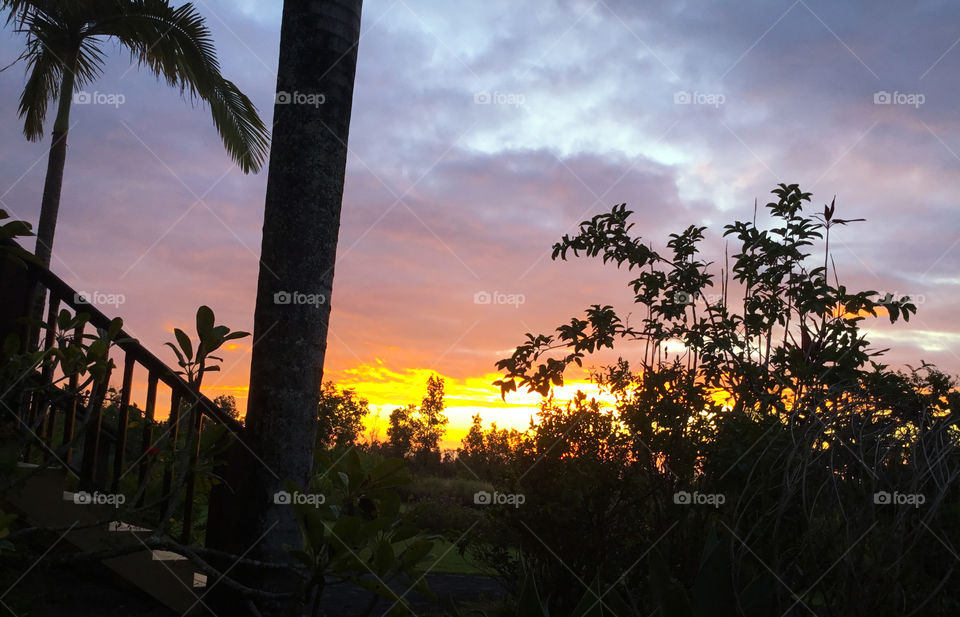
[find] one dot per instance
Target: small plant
(358, 534)
(211, 338)
(9, 232)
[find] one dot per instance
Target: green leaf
(415, 553)
(205, 320)
(383, 557)
(180, 359)
(184, 341)
(387, 468)
(529, 604)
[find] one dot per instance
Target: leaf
(415, 553)
(205, 320)
(184, 341)
(529, 604)
(180, 359)
(383, 557)
(387, 468)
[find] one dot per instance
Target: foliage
(766, 398)
(757, 354)
(228, 404)
(432, 421)
(485, 453)
(417, 431)
(76, 360)
(211, 338)
(340, 418)
(10, 231)
(358, 534)
(403, 426)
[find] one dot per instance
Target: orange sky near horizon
(387, 388)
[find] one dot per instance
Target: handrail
(130, 345)
(82, 422)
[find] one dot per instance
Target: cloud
(448, 196)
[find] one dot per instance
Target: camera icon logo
(282, 297)
(82, 98)
(682, 297)
(881, 97)
(82, 498)
(882, 498)
(282, 98)
(282, 498)
(482, 498)
(681, 498)
(482, 98)
(482, 297)
(681, 98)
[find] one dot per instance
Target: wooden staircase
(73, 451)
(166, 576)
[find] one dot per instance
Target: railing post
(16, 288)
(173, 431)
(123, 418)
(91, 470)
(70, 413)
(35, 409)
(193, 438)
(146, 441)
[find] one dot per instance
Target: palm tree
(64, 53)
(318, 58)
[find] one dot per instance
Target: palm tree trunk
(52, 185)
(318, 56)
(50, 202)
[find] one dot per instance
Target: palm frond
(243, 133)
(45, 73)
(176, 45)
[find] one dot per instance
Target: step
(166, 576)
(39, 498)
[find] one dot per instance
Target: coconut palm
(65, 52)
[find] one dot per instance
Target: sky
(480, 135)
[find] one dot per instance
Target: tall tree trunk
(50, 202)
(53, 183)
(318, 56)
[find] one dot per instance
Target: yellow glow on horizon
(386, 389)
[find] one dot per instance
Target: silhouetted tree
(228, 403)
(340, 417)
(402, 429)
(432, 422)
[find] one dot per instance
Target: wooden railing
(59, 429)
